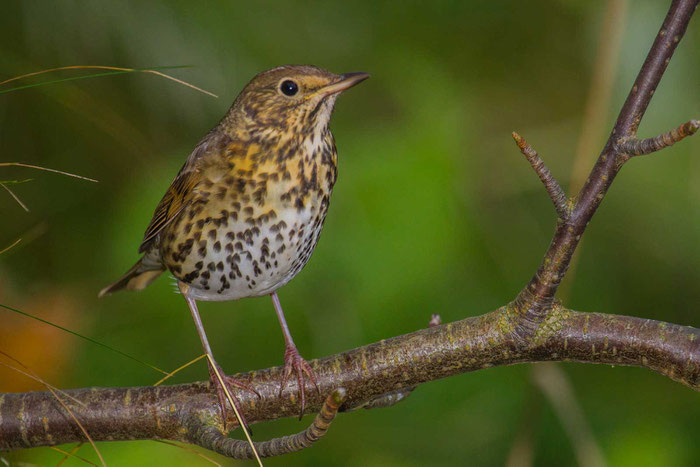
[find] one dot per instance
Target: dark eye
(289, 87)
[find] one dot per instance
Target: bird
(245, 212)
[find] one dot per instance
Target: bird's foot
(221, 393)
(294, 361)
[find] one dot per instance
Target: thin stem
(45, 169)
(19, 201)
(249, 440)
(556, 194)
(639, 147)
(534, 302)
(208, 436)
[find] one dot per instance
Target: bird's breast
(253, 226)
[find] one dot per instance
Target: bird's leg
(292, 359)
(211, 363)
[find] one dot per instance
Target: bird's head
(291, 98)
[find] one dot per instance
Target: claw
(294, 361)
(221, 394)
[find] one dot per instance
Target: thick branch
(366, 373)
(536, 298)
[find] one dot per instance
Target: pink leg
(292, 359)
(221, 393)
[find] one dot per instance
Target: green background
(435, 210)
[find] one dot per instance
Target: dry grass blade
(235, 410)
(558, 390)
(112, 68)
(20, 164)
(11, 246)
(72, 451)
(31, 374)
(171, 374)
(60, 401)
(70, 454)
(19, 201)
(89, 339)
(39, 380)
(170, 443)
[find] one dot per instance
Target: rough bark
(366, 373)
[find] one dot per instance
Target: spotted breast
(255, 216)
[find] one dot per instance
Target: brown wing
(177, 197)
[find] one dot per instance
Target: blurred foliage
(435, 210)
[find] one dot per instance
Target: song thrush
(245, 212)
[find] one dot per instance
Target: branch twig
(640, 147)
(534, 302)
(208, 435)
(556, 194)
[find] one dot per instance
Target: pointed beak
(347, 81)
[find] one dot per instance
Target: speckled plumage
(245, 212)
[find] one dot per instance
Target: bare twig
(639, 147)
(208, 436)
(600, 91)
(603, 77)
(597, 107)
(534, 302)
(556, 194)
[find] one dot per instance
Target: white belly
(258, 259)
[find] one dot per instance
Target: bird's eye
(289, 87)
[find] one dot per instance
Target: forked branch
(536, 299)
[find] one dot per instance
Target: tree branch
(639, 147)
(536, 298)
(366, 373)
(532, 328)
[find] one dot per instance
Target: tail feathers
(136, 278)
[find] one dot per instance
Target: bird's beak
(347, 81)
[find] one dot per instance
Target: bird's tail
(137, 278)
